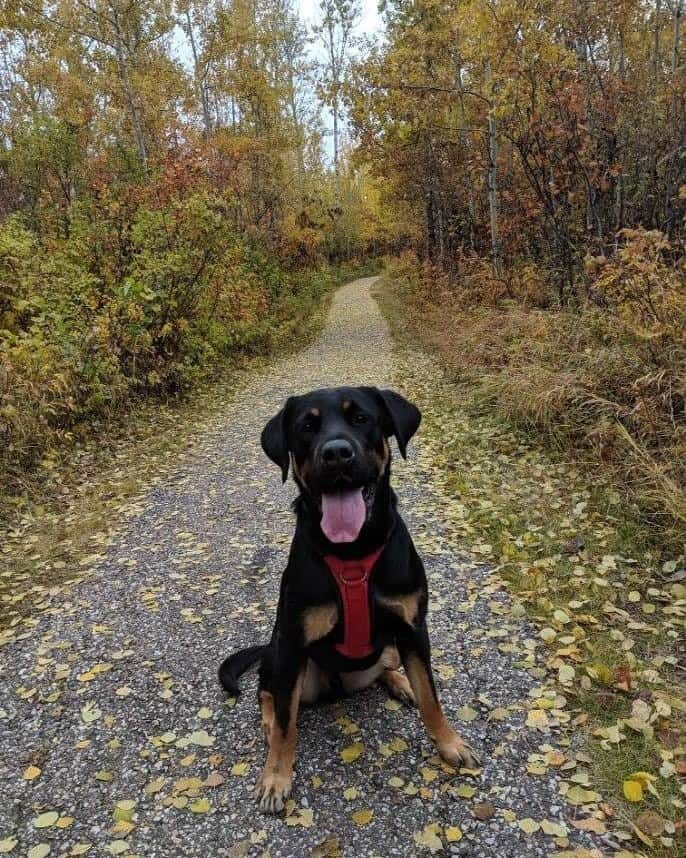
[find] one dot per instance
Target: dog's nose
(337, 452)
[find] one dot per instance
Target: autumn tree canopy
(166, 198)
(526, 129)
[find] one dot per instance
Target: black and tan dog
(353, 598)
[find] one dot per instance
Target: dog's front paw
(459, 753)
(272, 790)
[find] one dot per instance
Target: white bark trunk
(677, 34)
(466, 144)
(128, 88)
(199, 82)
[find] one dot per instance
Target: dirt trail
(112, 693)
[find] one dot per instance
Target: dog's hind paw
(272, 791)
(398, 687)
(459, 753)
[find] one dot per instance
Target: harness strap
(352, 578)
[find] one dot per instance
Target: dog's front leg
(415, 651)
(280, 690)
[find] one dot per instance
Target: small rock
(484, 810)
(574, 546)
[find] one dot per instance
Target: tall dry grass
(604, 378)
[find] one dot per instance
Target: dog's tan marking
(390, 658)
(357, 680)
(382, 458)
(274, 785)
(319, 621)
(347, 403)
(451, 746)
(315, 682)
(398, 686)
(267, 711)
(313, 412)
(300, 471)
(406, 607)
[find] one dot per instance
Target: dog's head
(336, 439)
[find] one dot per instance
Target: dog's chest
(363, 620)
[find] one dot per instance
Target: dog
(353, 598)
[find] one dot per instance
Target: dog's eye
(309, 424)
(359, 417)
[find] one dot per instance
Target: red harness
(352, 578)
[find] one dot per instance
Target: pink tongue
(343, 515)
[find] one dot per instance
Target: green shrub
(139, 299)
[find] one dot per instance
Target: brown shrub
(607, 377)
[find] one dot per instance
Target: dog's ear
(274, 439)
(402, 418)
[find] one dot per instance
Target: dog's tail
(233, 666)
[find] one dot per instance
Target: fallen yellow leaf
(633, 791)
(352, 752)
(362, 817)
(45, 820)
(453, 833)
(428, 838)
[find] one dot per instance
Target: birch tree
(335, 31)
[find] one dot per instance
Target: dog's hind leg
(398, 686)
(395, 682)
(315, 683)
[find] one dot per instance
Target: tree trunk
(670, 217)
(653, 198)
(335, 68)
(336, 168)
(128, 89)
(440, 225)
(464, 134)
(297, 127)
(619, 187)
(656, 43)
(492, 180)
(430, 225)
(678, 9)
(202, 91)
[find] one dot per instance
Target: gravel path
(112, 694)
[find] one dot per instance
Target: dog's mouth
(344, 512)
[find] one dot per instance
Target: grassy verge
(598, 377)
(67, 509)
(583, 566)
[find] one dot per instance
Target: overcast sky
(310, 12)
(369, 22)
